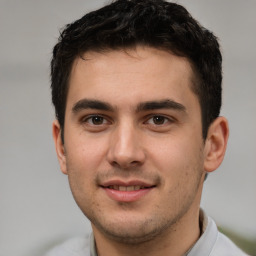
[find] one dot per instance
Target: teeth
(126, 188)
(122, 188)
(130, 188)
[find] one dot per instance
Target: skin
(132, 118)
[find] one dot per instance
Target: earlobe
(59, 146)
(215, 144)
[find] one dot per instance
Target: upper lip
(117, 182)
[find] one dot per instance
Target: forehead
(132, 75)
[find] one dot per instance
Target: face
(133, 148)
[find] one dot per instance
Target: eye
(158, 120)
(95, 120)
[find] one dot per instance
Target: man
(136, 87)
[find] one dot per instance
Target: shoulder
(79, 246)
(212, 242)
(225, 247)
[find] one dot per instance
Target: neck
(175, 240)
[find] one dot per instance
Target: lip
(127, 196)
(126, 183)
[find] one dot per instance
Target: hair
(124, 24)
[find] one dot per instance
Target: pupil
(158, 119)
(97, 120)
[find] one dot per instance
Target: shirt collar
(205, 243)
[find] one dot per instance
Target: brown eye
(96, 120)
(159, 120)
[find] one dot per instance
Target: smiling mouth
(121, 192)
(127, 188)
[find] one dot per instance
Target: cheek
(177, 157)
(83, 159)
(81, 176)
(85, 153)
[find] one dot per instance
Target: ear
(215, 144)
(59, 146)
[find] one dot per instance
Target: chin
(130, 236)
(133, 231)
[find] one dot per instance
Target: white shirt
(211, 243)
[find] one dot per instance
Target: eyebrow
(144, 106)
(91, 104)
(162, 104)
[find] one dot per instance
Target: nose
(125, 149)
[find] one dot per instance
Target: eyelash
(163, 118)
(86, 120)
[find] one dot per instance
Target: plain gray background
(36, 206)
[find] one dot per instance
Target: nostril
(125, 164)
(125, 157)
(135, 163)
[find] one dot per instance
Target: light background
(36, 206)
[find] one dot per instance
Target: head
(125, 24)
(137, 91)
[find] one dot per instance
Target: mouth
(127, 192)
(128, 188)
